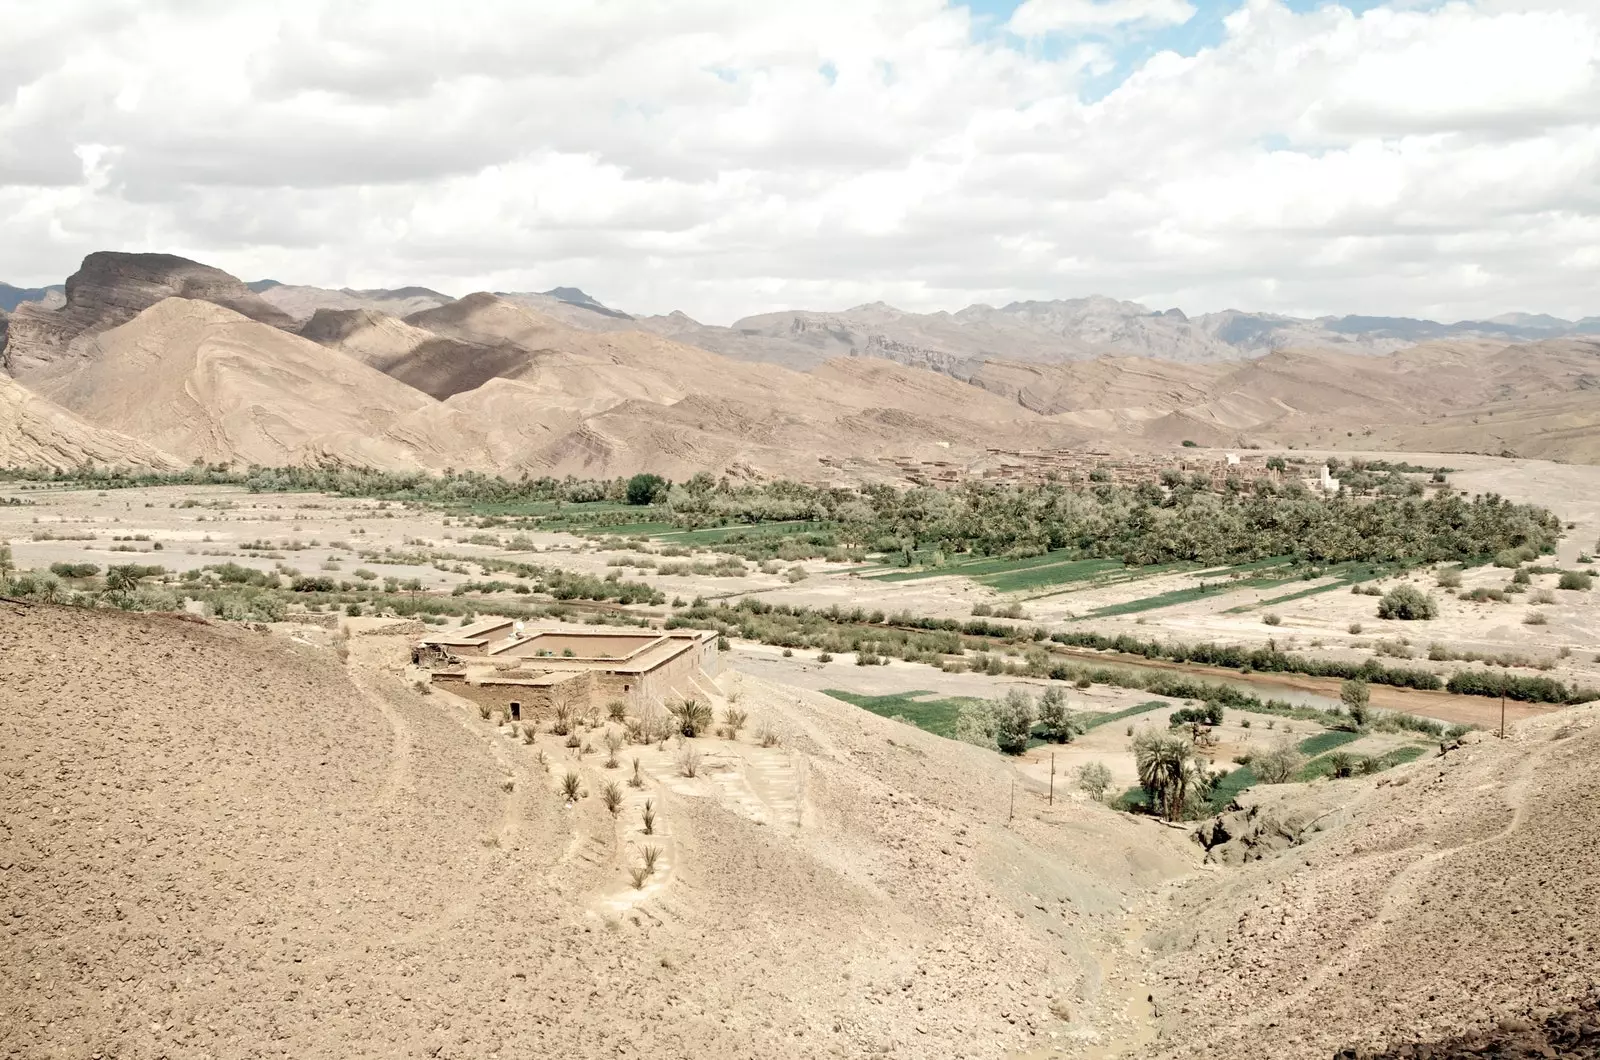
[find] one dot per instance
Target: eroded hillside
(223, 842)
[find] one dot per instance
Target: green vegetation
(1263, 660)
(1323, 742)
(938, 716)
(645, 488)
(1149, 523)
(1407, 603)
(1094, 721)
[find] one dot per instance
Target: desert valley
(386, 673)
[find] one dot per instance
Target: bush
(1279, 765)
(1355, 627)
(1094, 778)
(1272, 619)
(1572, 579)
(1407, 603)
(1356, 696)
(1449, 578)
(1341, 764)
(645, 488)
(1055, 721)
(74, 570)
(1014, 717)
(1534, 618)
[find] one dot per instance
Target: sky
(724, 158)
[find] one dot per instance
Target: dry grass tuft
(689, 762)
(637, 779)
(570, 786)
(611, 795)
(649, 816)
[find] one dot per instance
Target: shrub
(1543, 596)
(647, 817)
(617, 710)
(733, 720)
(74, 570)
(1449, 578)
(645, 488)
(1055, 720)
(570, 786)
(1014, 716)
(1271, 619)
(637, 876)
(611, 795)
(1521, 576)
(689, 762)
(1534, 618)
(694, 717)
(825, 658)
(1279, 765)
(1355, 627)
(1355, 695)
(1341, 764)
(1094, 778)
(1576, 579)
(1407, 603)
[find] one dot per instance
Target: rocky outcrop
(36, 432)
(111, 288)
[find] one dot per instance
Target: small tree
(1014, 717)
(1356, 696)
(1279, 765)
(1059, 724)
(1094, 778)
(645, 488)
(1407, 603)
(7, 564)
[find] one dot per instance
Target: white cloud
(728, 158)
(1035, 18)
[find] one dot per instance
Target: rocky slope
(300, 859)
(1445, 899)
(35, 432)
(112, 288)
(204, 382)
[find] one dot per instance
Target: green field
(1323, 742)
(937, 716)
(1196, 592)
(971, 567)
(1344, 575)
(1094, 721)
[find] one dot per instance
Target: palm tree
(1169, 772)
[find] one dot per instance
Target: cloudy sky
(726, 157)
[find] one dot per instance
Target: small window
(516, 711)
(625, 686)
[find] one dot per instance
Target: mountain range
(183, 361)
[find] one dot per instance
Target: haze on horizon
(1416, 159)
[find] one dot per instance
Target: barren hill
(1456, 896)
(204, 382)
(235, 846)
(301, 303)
(112, 288)
(35, 432)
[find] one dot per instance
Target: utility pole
(1012, 815)
(1502, 715)
(1052, 778)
